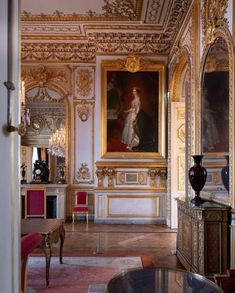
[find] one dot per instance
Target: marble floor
(158, 241)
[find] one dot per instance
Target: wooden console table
(52, 230)
(203, 237)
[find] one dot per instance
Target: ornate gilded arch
(175, 86)
(43, 77)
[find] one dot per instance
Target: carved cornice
(101, 42)
(112, 10)
(113, 42)
(58, 52)
(150, 43)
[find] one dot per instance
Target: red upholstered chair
(28, 243)
(81, 204)
(226, 282)
(35, 203)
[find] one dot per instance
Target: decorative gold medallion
(132, 63)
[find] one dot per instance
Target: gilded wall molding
(83, 109)
(131, 177)
(130, 164)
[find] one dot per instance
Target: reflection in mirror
(215, 99)
(215, 120)
(48, 116)
(31, 155)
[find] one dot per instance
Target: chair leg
(87, 218)
(24, 271)
(73, 217)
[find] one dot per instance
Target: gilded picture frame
(133, 108)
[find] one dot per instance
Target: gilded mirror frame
(226, 36)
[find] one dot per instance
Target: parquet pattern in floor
(158, 241)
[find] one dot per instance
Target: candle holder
(61, 173)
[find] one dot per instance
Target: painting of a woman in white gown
(130, 135)
(132, 111)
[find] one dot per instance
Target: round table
(160, 280)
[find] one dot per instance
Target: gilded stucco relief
(84, 82)
(83, 172)
(213, 17)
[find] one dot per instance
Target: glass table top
(158, 280)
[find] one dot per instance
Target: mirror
(215, 120)
(215, 100)
(47, 115)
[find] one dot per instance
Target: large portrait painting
(215, 100)
(132, 105)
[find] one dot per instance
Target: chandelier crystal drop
(57, 143)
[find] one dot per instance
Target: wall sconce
(25, 115)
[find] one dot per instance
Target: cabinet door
(187, 237)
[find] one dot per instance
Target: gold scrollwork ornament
(132, 63)
(110, 172)
(152, 174)
(83, 172)
(213, 17)
(83, 111)
(100, 173)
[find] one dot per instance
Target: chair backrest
(35, 202)
(81, 198)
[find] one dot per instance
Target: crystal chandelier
(57, 143)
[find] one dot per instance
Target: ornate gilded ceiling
(76, 30)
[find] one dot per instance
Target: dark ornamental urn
(225, 174)
(197, 178)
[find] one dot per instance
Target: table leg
(62, 237)
(47, 252)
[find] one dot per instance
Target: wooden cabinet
(203, 237)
